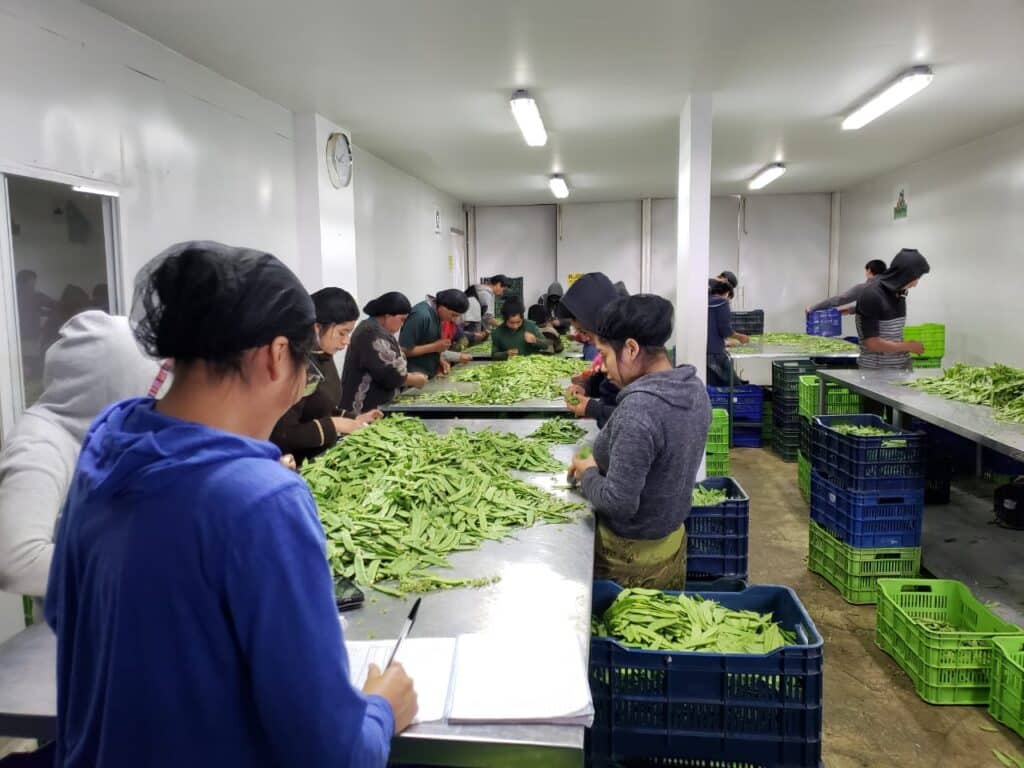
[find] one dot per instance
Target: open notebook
(489, 678)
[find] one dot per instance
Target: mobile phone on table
(347, 595)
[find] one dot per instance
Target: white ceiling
(424, 84)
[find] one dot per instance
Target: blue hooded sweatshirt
(194, 608)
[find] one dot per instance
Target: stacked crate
(717, 537)
(750, 322)
(786, 405)
(716, 452)
(744, 403)
(838, 400)
(867, 504)
(933, 336)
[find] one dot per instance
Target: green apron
(650, 563)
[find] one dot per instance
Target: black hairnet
(645, 318)
(210, 301)
(452, 299)
(333, 306)
(391, 303)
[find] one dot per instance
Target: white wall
(966, 215)
(194, 155)
(518, 240)
(724, 245)
(784, 254)
(396, 246)
(601, 237)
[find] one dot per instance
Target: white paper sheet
(428, 661)
(516, 679)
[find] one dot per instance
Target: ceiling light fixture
(895, 93)
(524, 110)
(558, 186)
(767, 175)
(96, 191)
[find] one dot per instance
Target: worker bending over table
(421, 338)
(882, 314)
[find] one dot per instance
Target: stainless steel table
(545, 580)
(975, 422)
(784, 352)
(522, 409)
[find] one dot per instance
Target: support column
(645, 245)
(693, 232)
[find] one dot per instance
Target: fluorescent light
(558, 187)
(899, 90)
(96, 191)
(767, 175)
(524, 110)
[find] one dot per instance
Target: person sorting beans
(190, 591)
(641, 475)
(421, 338)
(517, 335)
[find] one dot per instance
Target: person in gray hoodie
(644, 465)
(94, 363)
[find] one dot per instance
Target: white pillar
(325, 215)
(693, 232)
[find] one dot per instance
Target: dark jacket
(375, 369)
(603, 396)
(719, 324)
(422, 326)
(649, 453)
(306, 429)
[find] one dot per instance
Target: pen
(405, 631)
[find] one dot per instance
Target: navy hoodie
(194, 608)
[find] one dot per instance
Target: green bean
(395, 500)
(799, 341)
(654, 620)
(562, 431)
(1000, 387)
(708, 497)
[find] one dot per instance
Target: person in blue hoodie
(641, 474)
(190, 590)
(720, 331)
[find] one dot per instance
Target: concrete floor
(873, 718)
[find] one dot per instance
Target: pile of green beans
(708, 497)
(561, 431)
(998, 386)
(799, 341)
(654, 620)
(540, 377)
(858, 430)
(395, 500)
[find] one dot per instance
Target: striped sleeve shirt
(881, 314)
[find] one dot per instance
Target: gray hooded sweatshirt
(648, 455)
(94, 362)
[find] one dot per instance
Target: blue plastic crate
(825, 322)
(717, 537)
(754, 709)
(747, 400)
(890, 463)
(746, 435)
(867, 520)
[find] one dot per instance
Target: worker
(488, 289)
(375, 369)
(190, 590)
(847, 300)
(592, 394)
(40, 452)
(550, 300)
(882, 313)
(516, 335)
(421, 337)
(538, 315)
(725, 276)
(315, 423)
(472, 319)
(721, 334)
(641, 474)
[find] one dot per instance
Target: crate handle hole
(916, 588)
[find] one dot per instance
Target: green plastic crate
(1006, 703)
(932, 335)
(718, 433)
(838, 400)
(855, 572)
(945, 667)
(717, 464)
(927, 362)
(803, 475)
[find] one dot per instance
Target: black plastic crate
(750, 322)
(786, 443)
(938, 472)
(786, 376)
